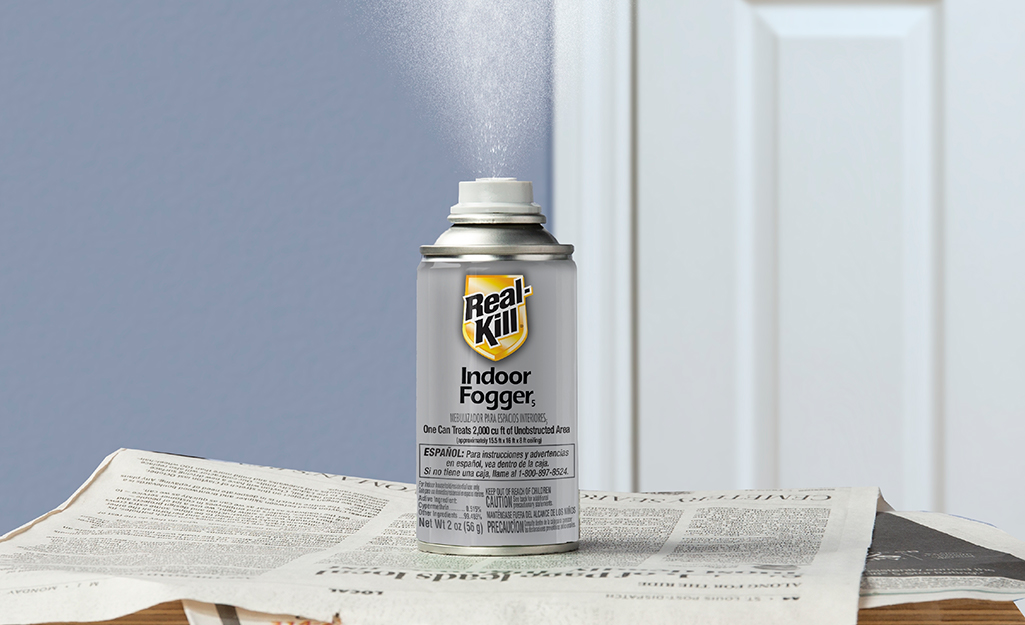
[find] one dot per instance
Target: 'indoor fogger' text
(495, 399)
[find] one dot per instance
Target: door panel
(812, 212)
(804, 318)
(855, 219)
(984, 261)
(686, 245)
(828, 251)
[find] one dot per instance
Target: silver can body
(496, 401)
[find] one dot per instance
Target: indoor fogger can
(496, 380)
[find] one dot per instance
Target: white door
(824, 256)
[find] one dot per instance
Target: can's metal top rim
(496, 250)
(496, 218)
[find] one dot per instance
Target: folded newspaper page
(908, 562)
(928, 556)
(148, 528)
(219, 614)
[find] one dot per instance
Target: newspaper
(910, 560)
(928, 556)
(219, 614)
(148, 528)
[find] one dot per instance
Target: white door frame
(594, 202)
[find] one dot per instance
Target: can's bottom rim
(497, 550)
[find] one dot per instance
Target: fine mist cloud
(482, 69)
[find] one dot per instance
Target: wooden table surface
(951, 611)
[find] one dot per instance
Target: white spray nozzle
(496, 195)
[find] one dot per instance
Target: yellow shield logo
(495, 314)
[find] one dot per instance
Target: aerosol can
(496, 380)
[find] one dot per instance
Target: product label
(496, 413)
(495, 314)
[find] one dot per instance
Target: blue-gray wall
(209, 220)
